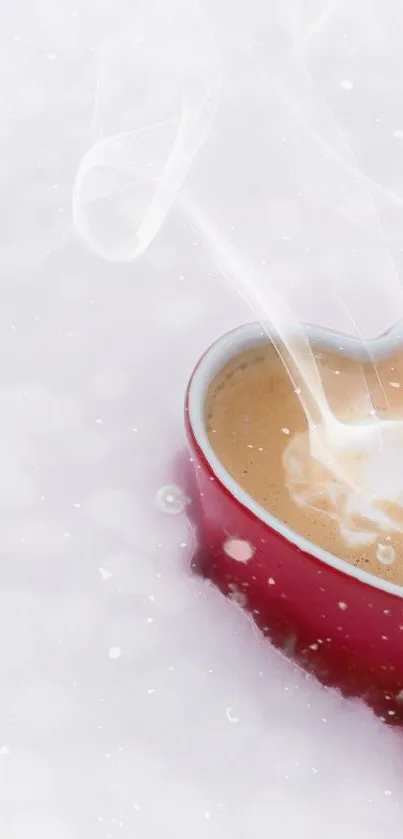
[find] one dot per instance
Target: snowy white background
(135, 700)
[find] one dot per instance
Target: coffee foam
(359, 517)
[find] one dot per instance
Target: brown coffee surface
(252, 412)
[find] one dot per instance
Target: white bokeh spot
(239, 549)
(171, 499)
(115, 652)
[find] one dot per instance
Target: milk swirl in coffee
(259, 430)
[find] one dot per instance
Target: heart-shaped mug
(338, 621)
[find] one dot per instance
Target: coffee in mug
(258, 430)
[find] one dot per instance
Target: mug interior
(254, 335)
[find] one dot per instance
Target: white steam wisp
(144, 159)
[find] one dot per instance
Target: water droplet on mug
(342, 606)
(385, 554)
(239, 549)
(171, 499)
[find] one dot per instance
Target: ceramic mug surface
(339, 622)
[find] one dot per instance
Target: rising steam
(195, 112)
(157, 95)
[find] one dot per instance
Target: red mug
(339, 622)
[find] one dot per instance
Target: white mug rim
(250, 335)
